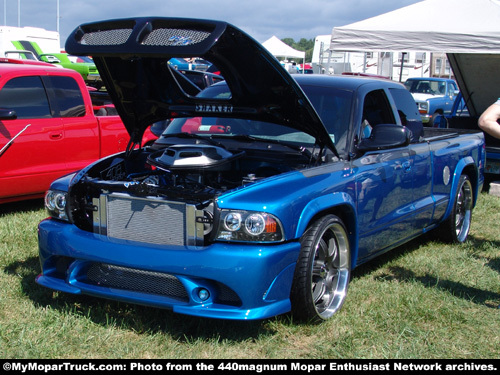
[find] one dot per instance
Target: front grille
(135, 280)
(145, 220)
(148, 220)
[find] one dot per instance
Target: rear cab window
(68, 100)
(408, 112)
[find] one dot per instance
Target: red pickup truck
(48, 128)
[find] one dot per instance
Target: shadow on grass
(391, 255)
(137, 318)
(478, 296)
(402, 250)
(22, 206)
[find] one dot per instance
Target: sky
(261, 19)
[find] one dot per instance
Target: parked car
(21, 55)
(189, 64)
(10, 60)
(433, 96)
(83, 65)
(48, 128)
(262, 194)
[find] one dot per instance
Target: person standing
(488, 120)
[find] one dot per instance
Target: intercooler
(148, 220)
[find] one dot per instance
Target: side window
(68, 99)
(26, 96)
(408, 112)
(376, 110)
(451, 89)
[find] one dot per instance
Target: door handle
(56, 135)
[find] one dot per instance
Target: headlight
(249, 226)
(55, 203)
(423, 107)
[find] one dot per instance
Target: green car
(83, 65)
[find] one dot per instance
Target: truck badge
(212, 108)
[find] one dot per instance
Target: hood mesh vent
(106, 37)
(175, 37)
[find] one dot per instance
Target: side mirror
(7, 114)
(385, 136)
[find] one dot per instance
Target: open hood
(478, 79)
(132, 58)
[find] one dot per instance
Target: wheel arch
(339, 204)
(465, 166)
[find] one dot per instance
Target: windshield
(333, 107)
(426, 87)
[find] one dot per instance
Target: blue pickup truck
(434, 96)
(263, 193)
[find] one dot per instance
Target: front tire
(456, 228)
(323, 270)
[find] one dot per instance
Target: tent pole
(402, 63)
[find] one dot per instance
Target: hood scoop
(193, 157)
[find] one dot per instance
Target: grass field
(423, 300)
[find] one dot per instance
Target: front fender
(338, 203)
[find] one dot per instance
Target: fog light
(203, 294)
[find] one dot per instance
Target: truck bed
(431, 134)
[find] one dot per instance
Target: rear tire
(323, 270)
(456, 228)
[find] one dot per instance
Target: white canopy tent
(452, 26)
(468, 31)
(280, 49)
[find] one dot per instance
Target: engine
(192, 175)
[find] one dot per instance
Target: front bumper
(241, 281)
(426, 118)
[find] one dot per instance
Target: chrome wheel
(456, 227)
(323, 270)
(463, 210)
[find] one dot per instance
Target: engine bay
(190, 173)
